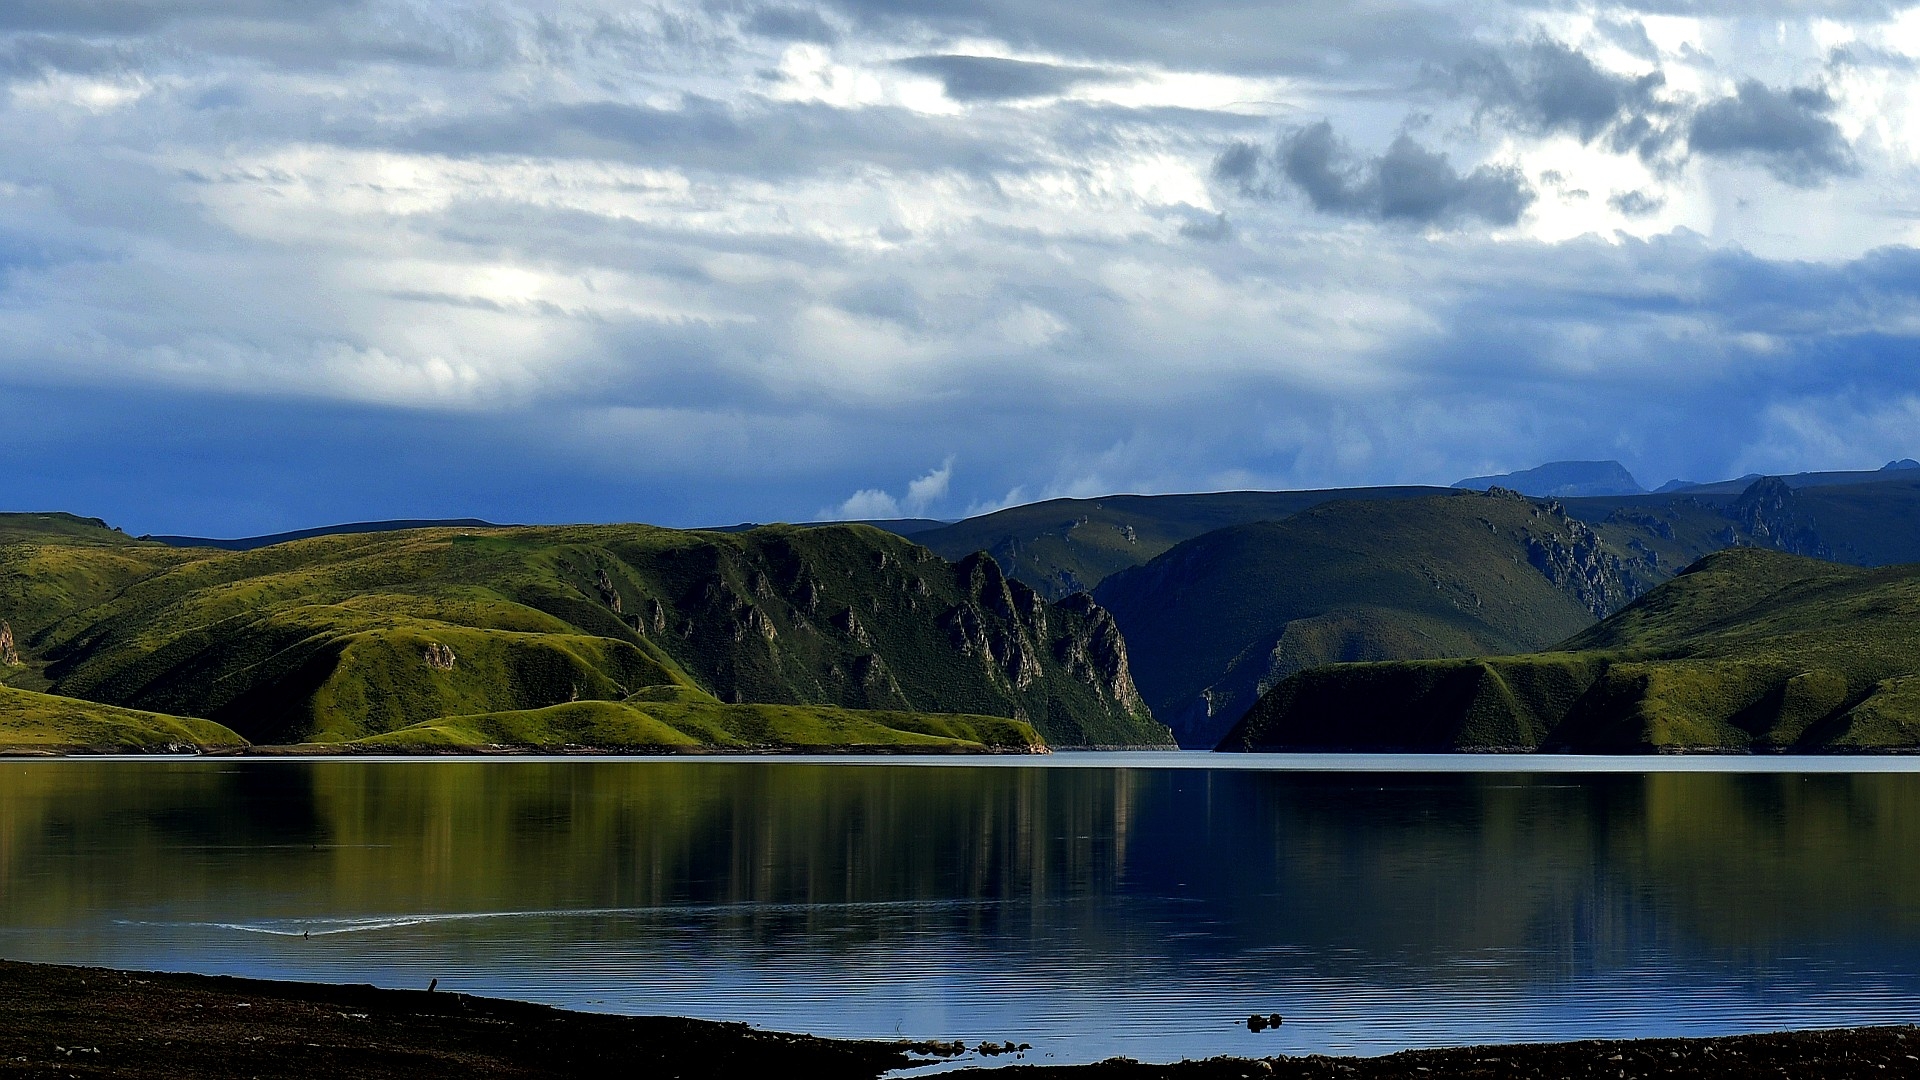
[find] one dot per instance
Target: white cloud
(929, 490)
(923, 497)
(870, 504)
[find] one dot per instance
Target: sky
(268, 264)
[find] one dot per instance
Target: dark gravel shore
(93, 1022)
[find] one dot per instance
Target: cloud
(868, 504)
(993, 78)
(1788, 132)
(792, 24)
(1635, 203)
(929, 489)
(1408, 183)
(1551, 87)
(694, 261)
(873, 504)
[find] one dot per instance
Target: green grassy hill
(695, 724)
(1218, 619)
(349, 637)
(1748, 649)
(32, 722)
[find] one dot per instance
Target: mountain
(1747, 649)
(358, 636)
(248, 543)
(1844, 478)
(896, 526)
(1063, 546)
(1562, 480)
(1216, 620)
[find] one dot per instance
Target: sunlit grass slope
(696, 723)
(1747, 649)
(341, 638)
(52, 565)
(31, 721)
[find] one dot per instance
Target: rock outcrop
(439, 657)
(1575, 559)
(1769, 515)
(859, 619)
(9, 655)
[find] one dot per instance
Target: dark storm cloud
(1550, 87)
(1408, 183)
(1789, 132)
(792, 24)
(994, 78)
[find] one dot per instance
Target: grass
(329, 638)
(665, 725)
(32, 721)
(1746, 650)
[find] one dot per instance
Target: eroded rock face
(821, 617)
(604, 586)
(439, 657)
(9, 655)
(1097, 652)
(1769, 513)
(1578, 562)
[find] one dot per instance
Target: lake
(1088, 904)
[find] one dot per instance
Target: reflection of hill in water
(1307, 874)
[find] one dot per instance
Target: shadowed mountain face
(1069, 545)
(1747, 649)
(1064, 546)
(1217, 620)
(351, 636)
(1562, 480)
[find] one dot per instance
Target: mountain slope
(1216, 620)
(1064, 546)
(344, 637)
(1748, 649)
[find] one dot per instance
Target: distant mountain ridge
(1562, 480)
(1892, 470)
(249, 543)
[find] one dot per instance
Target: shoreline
(1065, 757)
(64, 1021)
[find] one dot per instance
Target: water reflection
(1087, 911)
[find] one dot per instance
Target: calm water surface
(1089, 904)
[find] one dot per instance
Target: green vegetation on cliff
(482, 633)
(1746, 649)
